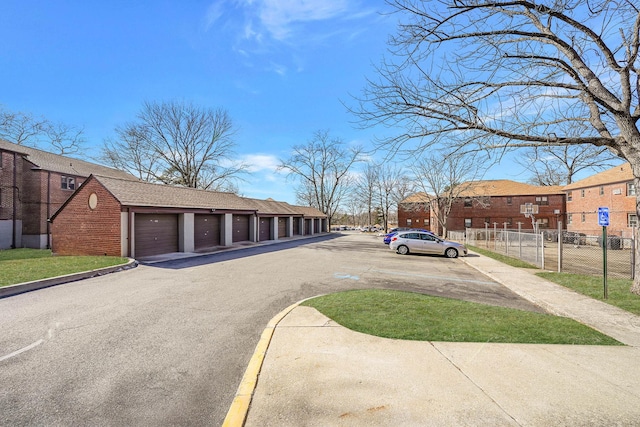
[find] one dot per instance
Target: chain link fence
(580, 253)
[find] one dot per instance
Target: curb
(20, 288)
(237, 414)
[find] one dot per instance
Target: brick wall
(38, 205)
(416, 215)
(80, 230)
(501, 209)
(584, 204)
(6, 186)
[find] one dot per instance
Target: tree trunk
(635, 287)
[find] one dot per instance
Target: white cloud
(261, 162)
(278, 15)
(213, 14)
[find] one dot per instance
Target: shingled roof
(139, 193)
(495, 188)
(62, 164)
(145, 194)
(621, 173)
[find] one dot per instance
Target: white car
(406, 242)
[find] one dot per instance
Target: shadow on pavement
(237, 252)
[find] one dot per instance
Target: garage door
(206, 231)
(282, 227)
(264, 229)
(155, 234)
(307, 226)
(241, 228)
(296, 226)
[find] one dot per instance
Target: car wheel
(451, 253)
(403, 250)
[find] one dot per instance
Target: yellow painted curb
(237, 414)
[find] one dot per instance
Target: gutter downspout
(48, 209)
(14, 201)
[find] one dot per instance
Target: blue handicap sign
(603, 217)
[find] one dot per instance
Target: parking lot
(168, 343)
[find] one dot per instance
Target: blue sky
(279, 67)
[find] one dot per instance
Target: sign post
(603, 220)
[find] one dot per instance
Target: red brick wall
(418, 213)
(614, 197)
(499, 210)
(79, 230)
(38, 206)
(6, 185)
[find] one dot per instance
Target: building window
(467, 202)
(542, 200)
(426, 222)
(467, 223)
(631, 189)
(487, 220)
(569, 218)
(632, 220)
(543, 222)
(584, 218)
(602, 190)
(509, 221)
(418, 221)
(569, 196)
(509, 200)
(68, 183)
(409, 222)
(582, 193)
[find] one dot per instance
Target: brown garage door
(206, 231)
(241, 228)
(155, 234)
(264, 229)
(282, 227)
(296, 226)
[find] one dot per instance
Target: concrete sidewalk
(313, 372)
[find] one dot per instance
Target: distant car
(387, 237)
(406, 242)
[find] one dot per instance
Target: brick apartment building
(613, 188)
(33, 185)
(493, 202)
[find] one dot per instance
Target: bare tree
(21, 128)
(322, 165)
(177, 143)
(26, 129)
(512, 73)
(444, 179)
(130, 152)
(559, 165)
(391, 189)
(65, 139)
(366, 185)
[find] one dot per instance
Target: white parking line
(22, 350)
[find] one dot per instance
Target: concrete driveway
(168, 343)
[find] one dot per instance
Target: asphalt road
(168, 343)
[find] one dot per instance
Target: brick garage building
(493, 202)
(117, 217)
(613, 188)
(33, 185)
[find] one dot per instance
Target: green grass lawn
(25, 265)
(514, 262)
(413, 316)
(592, 286)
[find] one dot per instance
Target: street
(167, 343)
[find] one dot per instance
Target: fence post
(495, 236)
(559, 246)
(506, 240)
(541, 249)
